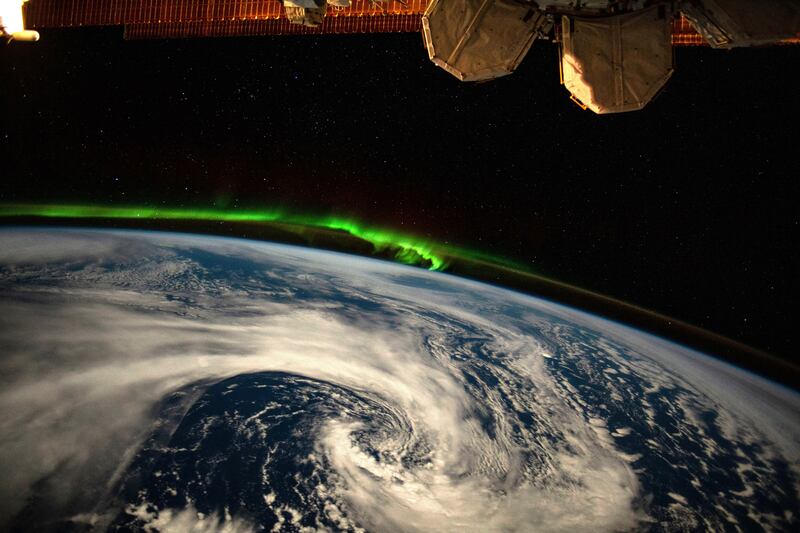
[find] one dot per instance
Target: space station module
(615, 55)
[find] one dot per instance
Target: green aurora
(403, 248)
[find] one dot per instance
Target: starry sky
(688, 208)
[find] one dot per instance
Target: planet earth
(171, 382)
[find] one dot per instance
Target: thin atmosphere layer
(403, 248)
(349, 235)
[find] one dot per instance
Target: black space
(688, 208)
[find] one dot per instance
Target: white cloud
(85, 363)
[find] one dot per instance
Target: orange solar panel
(60, 13)
(330, 25)
(684, 34)
(222, 18)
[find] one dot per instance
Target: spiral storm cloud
(165, 382)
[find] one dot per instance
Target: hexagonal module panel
(478, 40)
(619, 63)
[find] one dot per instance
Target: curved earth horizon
(168, 382)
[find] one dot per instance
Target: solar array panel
(330, 25)
(160, 19)
(61, 13)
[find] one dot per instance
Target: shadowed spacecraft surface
(615, 55)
